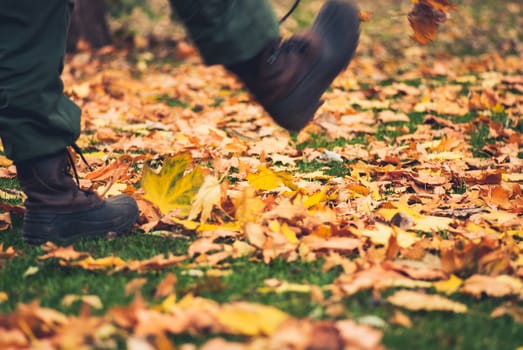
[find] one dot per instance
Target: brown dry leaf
(157, 262)
(8, 253)
(209, 196)
(496, 287)
(510, 309)
(134, 285)
(63, 253)
(425, 18)
(166, 286)
(334, 243)
(5, 221)
(13, 339)
(417, 301)
(204, 246)
(400, 319)
(389, 116)
(221, 344)
(418, 270)
(359, 337)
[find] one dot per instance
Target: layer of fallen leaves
(148, 327)
(419, 211)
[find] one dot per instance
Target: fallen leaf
(64, 253)
(173, 188)
(5, 221)
(417, 301)
(166, 286)
(250, 319)
(497, 287)
(267, 179)
(400, 319)
(134, 285)
(91, 300)
(209, 196)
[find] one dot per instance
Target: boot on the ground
(288, 77)
(57, 210)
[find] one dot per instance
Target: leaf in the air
(173, 188)
(425, 18)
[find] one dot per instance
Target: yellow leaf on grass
(267, 179)
(3, 297)
(172, 188)
(449, 286)
(251, 319)
(417, 301)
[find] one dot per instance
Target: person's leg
(37, 123)
(228, 31)
(36, 119)
(286, 77)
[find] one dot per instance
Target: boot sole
(296, 110)
(66, 227)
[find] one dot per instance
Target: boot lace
(294, 44)
(71, 167)
(293, 7)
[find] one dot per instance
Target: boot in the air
(289, 77)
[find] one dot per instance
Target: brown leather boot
(289, 77)
(58, 210)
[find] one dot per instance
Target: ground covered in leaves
(394, 220)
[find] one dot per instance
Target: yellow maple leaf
(173, 188)
(267, 179)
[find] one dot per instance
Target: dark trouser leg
(36, 119)
(37, 123)
(228, 31)
(287, 78)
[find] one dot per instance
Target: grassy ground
(475, 330)
(430, 330)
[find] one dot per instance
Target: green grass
(331, 168)
(434, 330)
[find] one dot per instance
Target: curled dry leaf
(209, 196)
(425, 18)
